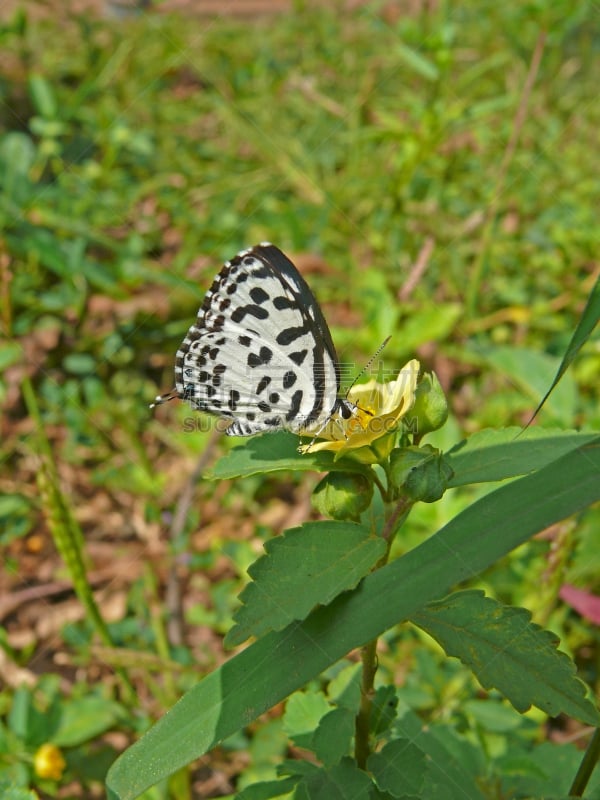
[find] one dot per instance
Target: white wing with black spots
(260, 352)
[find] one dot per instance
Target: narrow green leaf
(417, 62)
(331, 740)
(280, 662)
(305, 567)
(42, 96)
(494, 455)
(587, 323)
(508, 652)
(273, 452)
(399, 768)
(17, 155)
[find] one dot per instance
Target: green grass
(135, 156)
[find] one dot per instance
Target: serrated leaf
(508, 652)
(549, 766)
(331, 740)
(303, 713)
(345, 689)
(345, 781)
(494, 455)
(274, 452)
(263, 674)
(454, 765)
(399, 768)
(383, 710)
(304, 567)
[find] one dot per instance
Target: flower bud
(422, 473)
(430, 409)
(343, 495)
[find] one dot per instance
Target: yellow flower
(48, 762)
(380, 408)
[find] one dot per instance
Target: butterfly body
(260, 352)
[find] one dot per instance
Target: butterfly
(260, 353)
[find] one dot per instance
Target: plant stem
(362, 749)
(368, 652)
(584, 773)
(391, 525)
(383, 491)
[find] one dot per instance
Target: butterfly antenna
(164, 398)
(368, 364)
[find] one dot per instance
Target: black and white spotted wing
(260, 352)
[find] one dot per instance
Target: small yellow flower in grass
(380, 408)
(48, 762)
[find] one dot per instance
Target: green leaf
(304, 567)
(17, 155)
(345, 781)
(492, 715)
(303, 712)
(273, 452)
(331, 740)
(383, 710)
(429, 324)
(8, 791)
(277, 664)
(494, 455)
(549, 765)
(399, 768)
(345, 688)
(532, 371)
(455, 765)
(266, 790)
(10, 353)
(80, 364)
(587, 323)
(85, 718)
(508, 652)
(42, 96)
(417, 62)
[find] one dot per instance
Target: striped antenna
(369, 362)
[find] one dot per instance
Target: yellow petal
(379, 410)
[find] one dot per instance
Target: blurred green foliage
(136, 156)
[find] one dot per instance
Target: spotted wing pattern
(260, 352)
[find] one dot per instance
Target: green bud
(343, 495)
(430, 408)
(422, 473)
